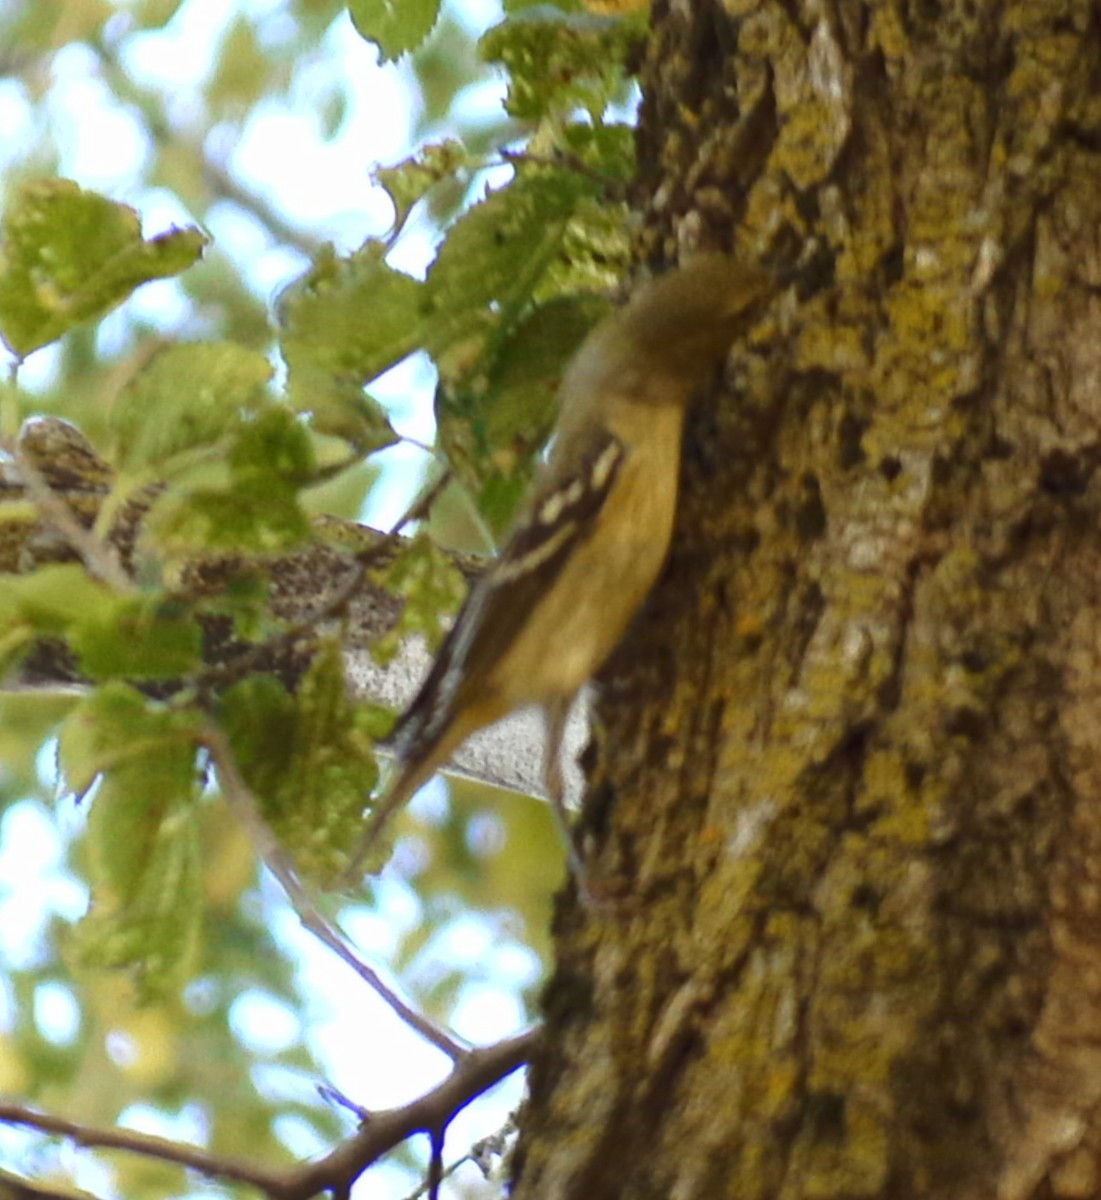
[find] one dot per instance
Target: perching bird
(594, 532)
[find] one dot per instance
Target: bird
(593, 534)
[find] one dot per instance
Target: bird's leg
(556, 713)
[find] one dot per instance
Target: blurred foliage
(227, 428)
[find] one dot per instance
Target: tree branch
(481, 1154)
(149, 1145)
(98, 556)
(477, 1071)
(222, 674)
(15, 1187)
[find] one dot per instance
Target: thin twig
(9, 397)
(494, 1145)
(366, 558)
(425, 1188)
(240, 797)
(333, 1095)
(98, 556)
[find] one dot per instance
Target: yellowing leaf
(344, 323)
(67, 255)
(143, 843)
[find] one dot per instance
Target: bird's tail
(406, 778)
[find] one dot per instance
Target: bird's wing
(498, 605)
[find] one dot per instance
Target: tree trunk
(846, 786)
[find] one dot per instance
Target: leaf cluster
(212, 440)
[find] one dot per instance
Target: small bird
(593, 534)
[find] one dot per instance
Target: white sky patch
(185, 1125)
(56, 1012)
(263, 1023)
(180, 53)
(16, 118)
(102, 144)
(34, 886)
(477, 15)
(299, 1136)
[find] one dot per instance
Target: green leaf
(443, 66)
(395, 26)
(250, 503)
(432, 586)
(491, 435)
(308, 759)
(410, 180)
(68, 255)
(139, 638)
(51, 599)
(344, 493)
(246, 519)
(130, 637)
(492, 261)
(240, 592)
(142, 840)
(506, 319)
(200, 416)
(47, 603)
(559, 62)
(116, 727)
(609, 150)
(348, 320)
(189, 397)
(26, 720)
(272, 446)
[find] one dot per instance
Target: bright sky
(324, 186)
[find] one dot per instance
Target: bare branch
(477, 1071)
(149, 1145)
(508, 755)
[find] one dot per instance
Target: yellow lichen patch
(614, 8)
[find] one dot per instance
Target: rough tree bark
(847, 785)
